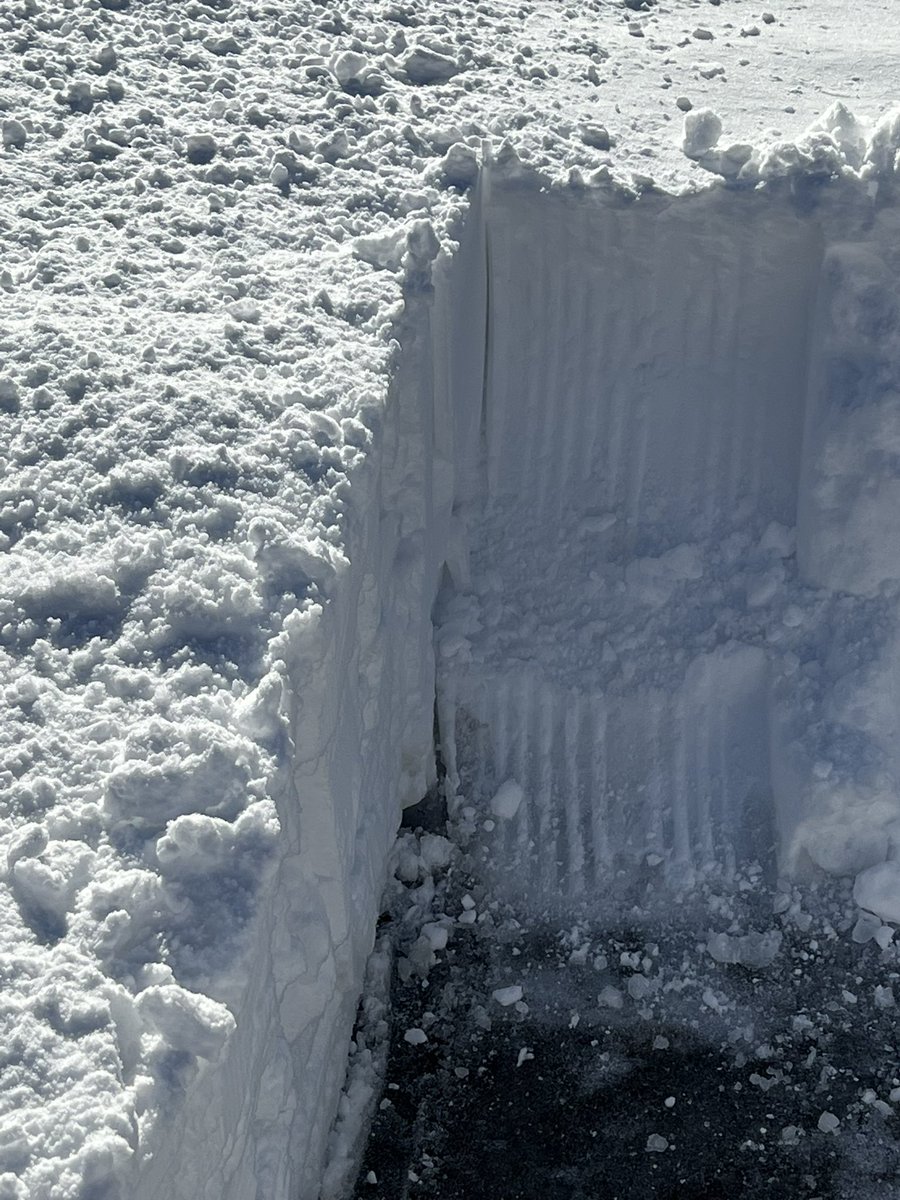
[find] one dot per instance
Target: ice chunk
(828, 1122)
(656, 1143)
(866, 927)
(436, 933)
(415, 1036)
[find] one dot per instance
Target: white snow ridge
(357, 380)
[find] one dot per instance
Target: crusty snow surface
(300, 303)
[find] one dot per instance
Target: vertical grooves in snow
(644, 388)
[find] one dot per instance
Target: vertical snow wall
(603, 413)
(674, 634)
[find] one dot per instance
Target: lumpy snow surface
(267, 276)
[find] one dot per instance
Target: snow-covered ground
(313, 316)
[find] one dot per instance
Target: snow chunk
(167, 770)
(884, 147)
(828, 1122)
(507, 995)
(846, 130)
(186, 1020)
(201, 148)
(15, 135)
(884, 996)
(656, 1143)
(877, 889)
(356, 74)
(383, 250)
(507, 800)
(415, 1037)
(653, 580)
(702, 129)
(610, 997)
(424, 65)
(459, 166)
(435, 852)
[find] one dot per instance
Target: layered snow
(255, 262)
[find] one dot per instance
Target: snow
(828, 1122)
(506, 800)
(877, 890)
(245, 294)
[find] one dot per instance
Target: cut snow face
(667, 649)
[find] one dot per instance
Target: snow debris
(415, 1037)
(757, 950)
(507, 800)
(506, 996)
(877, 889)
(15, 135)
(702, 129)
(189, 1022)
(828, 1123)
(656, 1143)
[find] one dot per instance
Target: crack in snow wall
(632, 646)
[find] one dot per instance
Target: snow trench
(625, 520)
(666, 630)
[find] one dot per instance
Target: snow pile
(242, 388)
